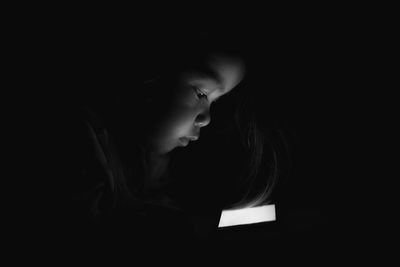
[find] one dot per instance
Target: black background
(317, 61)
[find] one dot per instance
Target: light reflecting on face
(192, 97)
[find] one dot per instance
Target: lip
(192, 138)
(185, 140)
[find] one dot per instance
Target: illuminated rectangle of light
(247, 216)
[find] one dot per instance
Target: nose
(203, 118)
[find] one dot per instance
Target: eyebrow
(211, 74)
(206, 72)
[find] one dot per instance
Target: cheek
(178, 116)
(178, 121)
(182, 110)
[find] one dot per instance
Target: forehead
(222, 78)
(218, 72)
(202, 78)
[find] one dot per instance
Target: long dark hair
(265, 143)
(268, 152)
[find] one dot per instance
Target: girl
(121, 160)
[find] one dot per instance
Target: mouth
(185, 140)
(192, 138)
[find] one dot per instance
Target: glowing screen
(247, 216)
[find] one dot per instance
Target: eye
(199, 93)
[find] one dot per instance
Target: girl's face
(192, 96)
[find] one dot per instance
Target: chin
(164, 149)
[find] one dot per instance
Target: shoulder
(80, 176)
(76, 139)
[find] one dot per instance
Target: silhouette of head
(181, 103)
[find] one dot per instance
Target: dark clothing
(87, 203)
